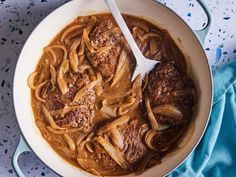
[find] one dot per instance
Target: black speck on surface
(3, 83)
(5, 141)
(4, 39)
(234, 51)
(226, 18)
(20, 32)
(7, 70)
(5, 151)
(10, 171)
(43, 0)
(13, 29)
(42, 174)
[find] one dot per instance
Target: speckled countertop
(19, 17)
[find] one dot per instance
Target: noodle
(168, 110)
(83, 90)
(82, 68)
(91, 24)
(38, 91)
(121, 67)
(89, 147)
(50, 120)
(80, 138)
(73, 56)
(62, 47)
(87, 41)
(69, 141)
(62, 131)
(117, 138)
(151, 34)
(60, 80)
(30, 80)
(148, 139)
(151, 116)
(113, 152)
(75, 28)
(153, 46)
(108, 111)
(53, 75)
(81, 49)
(117, 122)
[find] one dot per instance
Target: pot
(190, 43)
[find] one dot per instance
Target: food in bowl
(89, 111)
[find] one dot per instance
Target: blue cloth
(215, 156)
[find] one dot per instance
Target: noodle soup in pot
(89, 111)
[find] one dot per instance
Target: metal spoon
(143, 65)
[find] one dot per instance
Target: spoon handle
(125, 30)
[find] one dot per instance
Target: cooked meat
(163, 80)
(171, 53)
(103, 158)
(105, 61)
(83, 116)
(165, 139)
(134, 149)
(56, 100)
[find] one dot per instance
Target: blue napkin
(215, 156)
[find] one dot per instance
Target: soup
(89, 111)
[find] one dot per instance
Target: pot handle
(202, 33)
(21, 147)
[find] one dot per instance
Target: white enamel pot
(189, 41)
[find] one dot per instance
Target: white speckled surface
(19, 17)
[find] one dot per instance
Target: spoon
(143, 64)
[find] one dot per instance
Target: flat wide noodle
(30, 80)
(50, 49)
(53, 74)
(151, 116)
(117, 138)
(117, 122)
(73, 57)
(69, 141)
(60, 80)
(50, 120)
(38, 91)
(83, 91)
(121, 67)
(168, 110)
(76, 29)
(113, 152)
(148, 139)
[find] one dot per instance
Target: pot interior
(198, 70)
